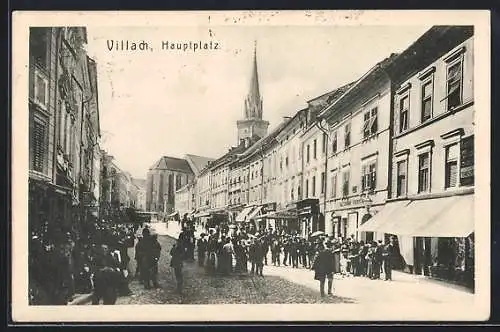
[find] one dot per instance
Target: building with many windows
(64, 131)
(431, 201)
(64, 154)
(358, 155)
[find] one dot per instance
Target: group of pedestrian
(369, 259)
(64, 263)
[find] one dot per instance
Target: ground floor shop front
(344, 217)
(435, 235)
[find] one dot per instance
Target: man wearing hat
(202, 248)
(324, 267)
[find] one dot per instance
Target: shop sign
(269, 207)
(363, 200)
(307, 210)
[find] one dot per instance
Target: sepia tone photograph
(237, 159)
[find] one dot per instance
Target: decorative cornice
(404, 88)
(402, 153)
(425, 73)
(425, 144)
(455, 54)
(369, 156)
(456, 132)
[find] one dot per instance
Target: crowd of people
(64, 264)
(98, 263)
(224, 251)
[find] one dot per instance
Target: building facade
(433, 159)
(63, 131)
(184, 200)
(358, 154)
(163, 179)
(64, 134)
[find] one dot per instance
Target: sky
(168, 102)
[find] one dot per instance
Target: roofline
(331, 91)
(322, 113)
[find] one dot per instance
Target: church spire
(253, 102)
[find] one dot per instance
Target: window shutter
(453, 169)
(39, 145)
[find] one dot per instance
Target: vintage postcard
(251, 166)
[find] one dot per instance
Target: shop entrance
(422, 256)
(366, 236)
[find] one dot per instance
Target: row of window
(453, 98)
(457, 171)
(452, 171)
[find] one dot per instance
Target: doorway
(422, 256)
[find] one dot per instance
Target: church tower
(252, 126)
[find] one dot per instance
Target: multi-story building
(64, 130)
(252, 167)
(64, 137)
(203, 192)
(184, 200)
(314, 164)
(432, 187)
(185, 197)
(165, 177)
(358, 154)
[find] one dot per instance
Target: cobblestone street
(201, 288)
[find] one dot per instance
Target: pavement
(202, 288)
(403, 286)
(282, 285)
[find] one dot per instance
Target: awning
(202, 214)
(254, 213)
(416, 214)
(286, 214)
(451, 216)
(385, 215)
(455, 219)
(242, 215)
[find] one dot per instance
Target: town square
(251, 168)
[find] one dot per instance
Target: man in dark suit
(388, 255)
(202, 248)
(177, 254)
(106, 277)
(324, 267)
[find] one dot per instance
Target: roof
(233, 151)
(266, 139)
(334, 94)
(197, 163)
(375, 69)
(172, 164)
(434, 43)
(140, 183)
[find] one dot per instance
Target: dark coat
(324, 263)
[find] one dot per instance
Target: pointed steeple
(253, 102)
